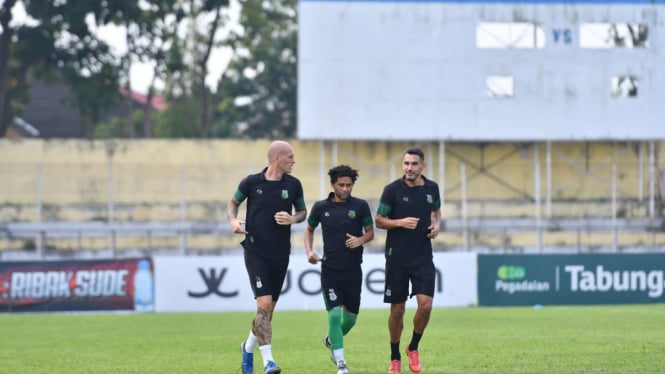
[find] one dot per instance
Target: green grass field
(588, 339)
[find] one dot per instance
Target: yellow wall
(151, 177)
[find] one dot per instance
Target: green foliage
(180, 120)
(579, 339)
(111, 129)
(59, 44)
(117, 127)
(180, 59)
(95, 94)
(257, 92)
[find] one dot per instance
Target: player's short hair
(416, 151)
(342, 171)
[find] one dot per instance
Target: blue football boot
(247, 360)
(272, 368)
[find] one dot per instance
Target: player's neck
(419, 181)
(273, 174)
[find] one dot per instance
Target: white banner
(219, 284)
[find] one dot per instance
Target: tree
(150, 28)
(201, 41)
(61, 45)
(257, 92)
(181, 111)
(202, 61)
(56, 45)
(181, 60)
(5, 39)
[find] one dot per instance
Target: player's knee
(397, 311)
(335, 315)
(425, 306)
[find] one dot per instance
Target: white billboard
(480, 71)
(220, 284)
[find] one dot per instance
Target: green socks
(340, 323)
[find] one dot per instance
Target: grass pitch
(580, 339)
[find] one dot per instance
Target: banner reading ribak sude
(571, 279)
(90, 285)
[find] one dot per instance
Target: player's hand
(352, 241)
(313, 257)
(433, 231)
(238, 226)
(410, 222)
(283, 218)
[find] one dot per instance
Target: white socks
(339, 354)
(266, 350)
(266, 353)
(250, 343)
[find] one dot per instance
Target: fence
(461, 235)
(147, 195)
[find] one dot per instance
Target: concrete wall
(415, 69)
(164, 179)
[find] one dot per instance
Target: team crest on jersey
(430, 199)
(332, 296)
(351, 214)
(285, 194)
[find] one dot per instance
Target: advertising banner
(571, 279)
(41, 286)
(220, 283)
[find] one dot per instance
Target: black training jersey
(399, 201)
(265, 198)
(338, 219)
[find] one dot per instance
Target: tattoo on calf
(262, 327)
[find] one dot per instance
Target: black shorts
(266, 277)
(342, 287)
(398, 276)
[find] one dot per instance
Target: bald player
(274, 202)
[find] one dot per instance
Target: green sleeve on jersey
(384, 210)
(368, 221)
(312, 222)
(239, 196)
(436, 205)
(300, 203)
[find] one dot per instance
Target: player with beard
(410, 209)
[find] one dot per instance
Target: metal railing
(42, 231)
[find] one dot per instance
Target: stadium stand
(68, 197)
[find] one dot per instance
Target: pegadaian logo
(511, 280)
(511, 272)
